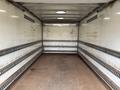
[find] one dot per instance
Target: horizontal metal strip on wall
(16, 48)
(62, 46)
(59, 40)
(60, 51)
(105, 50)
(11, 79)
(11, 65)
(110, 68)
(100, 73)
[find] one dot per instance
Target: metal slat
(110, 68)
(60, 46)
(59, 40)
(103, 49)
(16, 48)
(106, 79)
(60, 50)
(11, 79)
(11, 65)
(48, 46)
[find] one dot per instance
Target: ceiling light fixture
(14, 16)
(60, 18)
(60, 12)
(106, 18)
(118, 13)
(3, 11)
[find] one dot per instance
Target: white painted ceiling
(47, 12)
(63, 1)
(75, 9)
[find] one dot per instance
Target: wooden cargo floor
(59, 72)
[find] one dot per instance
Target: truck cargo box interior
(59, 45)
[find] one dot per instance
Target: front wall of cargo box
(60, 38)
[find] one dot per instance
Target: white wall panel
(105, 33)
(15, 30)
(13, 70)
(56, 32)
(104, 70)
(61, 43)
(102, 32)
(110, 60)
(9, 58)
(60, 35)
